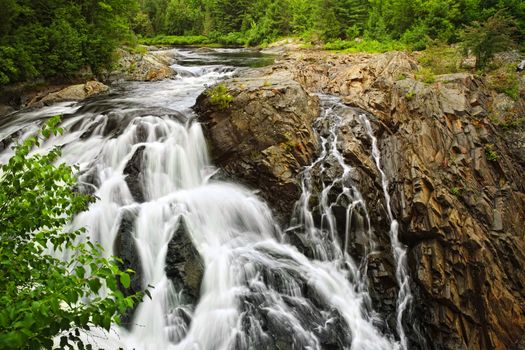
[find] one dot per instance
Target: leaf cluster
(42, 296)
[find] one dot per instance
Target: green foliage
(414, 23)
(440, 59)
(505, 80)
(456, 191)
(175, 40)
(491, 153)
(49, 38)
(372, 46)
(425, 75)
(485, 39)
(42, 297)
(220, 96)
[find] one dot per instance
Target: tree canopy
(49, 38)
(411, 21)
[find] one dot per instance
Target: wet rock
(265, 136)
(133, 173)
(126, 249)
(457, 188)
(184, 265)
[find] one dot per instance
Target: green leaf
(125, 279)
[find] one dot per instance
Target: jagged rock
(184, 265)
(132, 171)
(265, 136)
(461, 211)
(126, 249)
(456, 182)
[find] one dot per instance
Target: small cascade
(398, 249)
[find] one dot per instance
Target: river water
(257, 291)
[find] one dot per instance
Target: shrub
(219, 96)
(42, 297)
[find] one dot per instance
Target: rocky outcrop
(77, 92)
(455, 166)
(184, 265)
(457, 187)
(126, 249)
(150, 66)
(264, 136)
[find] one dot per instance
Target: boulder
(150, 66)
(76, 92)
(133, 173)
(184, 265)
(125, 248)
(264, 136)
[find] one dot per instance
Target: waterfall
(143, 154)
(398, 249)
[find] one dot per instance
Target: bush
(505, 80)
(175, 40)
(42, 297)
(219, 96)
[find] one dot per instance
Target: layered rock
(457, 187)
(265, 136)
(456, 181)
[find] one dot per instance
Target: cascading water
(142, 153)
(399, 250)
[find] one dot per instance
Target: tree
(41, 296)
(485, 39)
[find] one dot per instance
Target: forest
(57, 38)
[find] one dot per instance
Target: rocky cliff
(456, 180)
(265, 136)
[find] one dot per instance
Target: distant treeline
(251, 22)
(57, 38)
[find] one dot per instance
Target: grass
(426, 75)
(371, 46)
(491, 153)
(219, 96)
(505, 80)
(176, 40)
(440, 59)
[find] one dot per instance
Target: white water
(254, 284)
(398, 249)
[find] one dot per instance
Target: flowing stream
(141, 151)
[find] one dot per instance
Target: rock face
(456, 181)
(150, 66)
(457, 188)
(265, 136)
